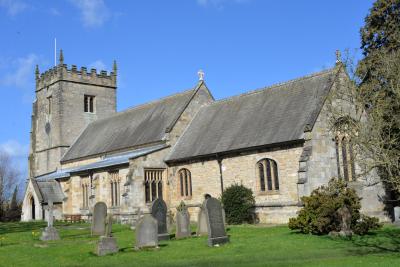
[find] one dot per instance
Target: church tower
(67, 100)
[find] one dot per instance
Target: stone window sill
(269, 193)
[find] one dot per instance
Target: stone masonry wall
(60, 116)
(242, 169)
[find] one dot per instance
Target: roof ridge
(142, 105)
(262, 89)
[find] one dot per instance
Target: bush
(365, 224)
(319, 214)
(238, 202)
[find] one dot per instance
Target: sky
(159, 46)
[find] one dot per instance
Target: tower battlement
(62, 72)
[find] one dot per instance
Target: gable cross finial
(200, 73)
(338, 56)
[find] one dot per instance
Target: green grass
(249, 246)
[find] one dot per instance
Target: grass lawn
(249, 246)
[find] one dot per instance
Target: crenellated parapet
(63, 72)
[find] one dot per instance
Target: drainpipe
(219, 160)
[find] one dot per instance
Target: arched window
(345, 158)
(115, 188)
(185, 183)
(268, 175)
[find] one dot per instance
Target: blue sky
(160, 45)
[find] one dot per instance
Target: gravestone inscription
(146, 232)
(99, 218)
(159, 212)
(215, 222)
(182, 222)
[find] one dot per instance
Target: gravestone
(50, 232)
(107, 243)
(397, 215)
(224, 216)
(159, 212)
(99, 218)
(182, 222)
(345, 226)
(215, 222)
(146, 232)
(344, 215)
(202, 228)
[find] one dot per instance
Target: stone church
(275, 141)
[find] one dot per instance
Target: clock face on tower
(47, 127)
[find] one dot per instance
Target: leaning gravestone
(99, 218)
(50, 232)
(107, 243)
(202, 228)
(215, 222)
(159, 212)
(182, 222)
(146, 232)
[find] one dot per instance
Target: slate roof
(272, 115)
(108, 161)
(144, 124)
(47, 190)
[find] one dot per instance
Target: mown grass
(249, 246)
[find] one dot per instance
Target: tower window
(89, 103)
(49, 103)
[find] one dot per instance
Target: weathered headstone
(159, 212)
(224, 216)
(50, 232)
(99, 218)
(215, 222)
(344, 215)
(202, 228)
(397, 215)
(107, 243)
(146, 232)
(345, 226)
(182, 222)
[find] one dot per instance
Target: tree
(369, 114)
(8, 178)
(380, 34)
(14, 211)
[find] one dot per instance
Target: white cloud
(14, 148)
(13, 7)
(93, 12)
(23, 74)
(98, 64)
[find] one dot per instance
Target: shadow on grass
(386, 240)
(17, 227)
